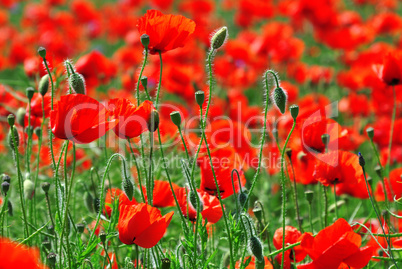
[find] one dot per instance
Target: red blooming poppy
(79, 118)
(166, 32)
(251, 265)
(142, 225)
(14, 255)
(390, 72)
(336, 246)
(132, 120)
(162, 194)
(292, 235)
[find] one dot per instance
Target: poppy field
(201, 134)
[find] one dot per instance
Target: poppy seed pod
(42, 52)
(176, 118)
(5, 178)
(165, 263)
(280, 99)
(370, 132)
(11, 120)
(294, 111)
(128, 188)
(219, 38)
(43, 85)
(153, 123)
(102, 236)
(199, 97)
(243, 196)
(309, 196)
(255, 247)
(51, 258)
(45, 187)
(30, 92)
(21, 116)
(144, 81)
(145, 40)
(77, 83)
(80, 227)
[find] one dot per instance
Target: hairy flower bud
(21, 116)
(153, 123)
(219, 38)
(128, 188)
(30, 92)
(255, 247)
(13, 136)
(280, 99)
(77, 83)
(43, 85)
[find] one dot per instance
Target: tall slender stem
(139, 78)
(160, 81)
(391, 132)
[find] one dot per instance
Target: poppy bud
(193, 200)
(280, 98)
(309, 196)
(46, 244)
(199, 97)
(89, 201)
(77, 83)
(257, 210)
(255, 247)
(176, 118)
(29, 189)
(38, 131)
(5, 186)
(219, 38)
(30, 92)
(21, 116)
(362, 162)
(42, 52)
(5, 178)
(242, 198)
(45, 187)
(128, 188)
(153, 123)
(43, 85)
(102, 236)
(11, 119)
(165, 263)
(51, 258)
(145, 40)
(294, 111)
(80, 228)
(13, 135)
(144, 82)
(325, 139)
(377, 169)
(370, 132)
(96, 205)
(10, 208)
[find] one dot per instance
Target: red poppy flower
(79, 118)
(14, 255)
(211, 211)
(251, 265)
(390, 72)
(166, 32)
(339, 166)
(224, 161)
(393, 186)
(142, 225)
(334, 247)
(132, 120)
(292, 235)
(113, 194)
(162, 194)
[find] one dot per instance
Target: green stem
(381, 172)
(324, 191)
(150, 177)
(139, 78)
(336, 201)
(211, 84)
(392, 131)
(283, 178)
(160, 80)
(184, 144)
(138, 169)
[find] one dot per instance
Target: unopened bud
(43, 85)
(51, 258)
(193, 200)
(21, 116)
(362, 162)
(153, 123)
(280, 99)
(165, 263)
(80, 228)
(77, 83)
(97, 205)
(30, 92)
(5, 178)
(294, 111)
(29, 189)
(11, 120)
(5, 186)
(256, 248)
(309, 196)
(145, 40)
(128, 188)
(102, 236)
(242, 198)
(219, 38)
(13, 136)
(176, 118)
(42, 52)
(199, 97)
(38, 132)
